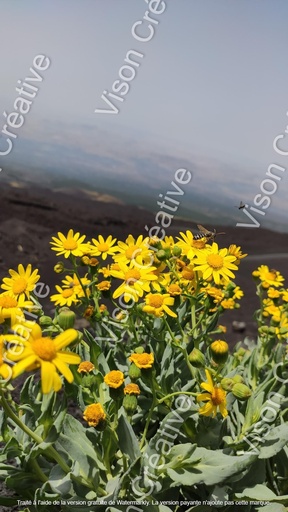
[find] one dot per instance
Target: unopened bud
(219, 350)
(130, 403)
(241, 391)
(66, 318)
(227, 383)
(196, 358)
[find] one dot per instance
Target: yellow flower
(233, 250)
(34, 350)
(5, 369)
(237, 293)
(228, 303)
(215, 263)
(132, 250)
(114, 379)
(11, 307)
(21, 283)
(285, 295)
(64, 297)
(189, 246)
(268, 277)
(104, 286)
(69, 245)
(77, 284)
(142, 360)
(157, 304)
(215, 397)
(273, 294)
(103, 247)
(174, 289)
(136, 281)
(94, 414)
(132, 389)
(85, 367)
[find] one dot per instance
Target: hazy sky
(213, 81)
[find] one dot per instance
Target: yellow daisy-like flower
(64, 297)
(237, 293)
(142, 360)
(189, 246)
(21, 283)
(85, 367)
(215, 397)
(103, 247)
(72, 244)
(228, 303)
(36, 351)
(77, 284)
(233, 250)
(114, 379)
(94, 414)
(132, 250)
(157, 304)
(5, 369)
(273, 294)
(12, 307)
(285, 295)
(216, 263)
(268, 277)
(132, 389)
(174, 289)
(136, 281)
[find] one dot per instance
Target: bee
(241, 206)
(204, 233)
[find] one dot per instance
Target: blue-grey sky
(212, 87)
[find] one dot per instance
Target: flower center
(271, 276)
(132, 275)
(188, 274)
(19, 286)
(215, 261)
(44, 348)
(156, 301)
(8, 302)
(67, 293)
(132, 252)
(103, 247)
(70, 244)
(218, 396)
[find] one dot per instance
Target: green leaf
(128, 442)
(213, 467)
(261, 492)
(274, 441)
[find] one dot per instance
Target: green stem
(38, 471)
(153, 405)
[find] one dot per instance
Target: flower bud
(176, 251)
(66, 318)
(59, 267)
(227, 383)
(139, 350)
(196, 358)
(241, 391)
(134, 372)
(161, 255)
(219, 350)
(45, 321)
(238, 379)
(130, 403)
